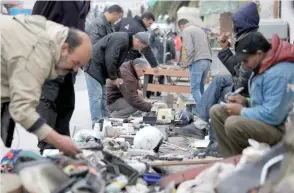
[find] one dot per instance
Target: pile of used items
(119, 156)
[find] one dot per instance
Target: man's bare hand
(63, 143)
(233, 108)
(239, 99)
(140, 93)
(156, 70)
(223, 40)
(117, 82)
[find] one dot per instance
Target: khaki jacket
(30, 50)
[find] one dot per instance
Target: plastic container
(151, 178)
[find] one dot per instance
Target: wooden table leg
(145, 85)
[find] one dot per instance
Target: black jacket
(108, 55)
(240, 76)
(98, 28)
(58, 98)
(135, 25)
(68, 13)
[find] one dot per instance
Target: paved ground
(80, 120)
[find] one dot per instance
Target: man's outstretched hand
(118, 82)
(62, 142)
(156, 70)
(223, 40)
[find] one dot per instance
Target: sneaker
(191, 131)
(211, 150)
(200, 123)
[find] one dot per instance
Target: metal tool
(174, 146)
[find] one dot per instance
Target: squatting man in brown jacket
(123, 101)
(35, 49)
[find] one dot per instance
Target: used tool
(174, 146)
(184, 162)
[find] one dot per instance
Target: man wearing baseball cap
(108, 55)
(263, 116)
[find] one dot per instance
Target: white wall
(287, 14)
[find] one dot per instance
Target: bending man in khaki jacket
(34, 49)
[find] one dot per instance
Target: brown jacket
(128, 89)
(30, 47)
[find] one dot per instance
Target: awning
(150, 3)
(215, 7)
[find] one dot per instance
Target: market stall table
(172, 86)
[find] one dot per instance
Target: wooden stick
(184, 162)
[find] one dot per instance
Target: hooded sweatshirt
(269, 96)
(246, 20)
(30, 47)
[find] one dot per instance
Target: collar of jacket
(139, 20)
(131, 39)
(132, 69)
(188, 24)
(105, 20)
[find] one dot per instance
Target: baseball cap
(250, 44)
(143, 37)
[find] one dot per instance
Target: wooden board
(168, 88)
(185, 162)
(168, 72)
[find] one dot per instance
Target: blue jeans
(97, 99)
(198, 73)
(216, 91)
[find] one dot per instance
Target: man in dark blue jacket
(245, 20)
(108, 55)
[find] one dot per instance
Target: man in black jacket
(135, 25)
(108, 55)
(245, 20)
(103, 25)
(57, 100)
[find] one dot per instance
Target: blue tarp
(16, 11)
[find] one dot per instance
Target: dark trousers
(57, 105)
(7, 125)
(121, 109)
(160, 80)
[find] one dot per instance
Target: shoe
(191, 131)
(211, 150)
(200, 123)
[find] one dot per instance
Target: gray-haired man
(123, 101)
